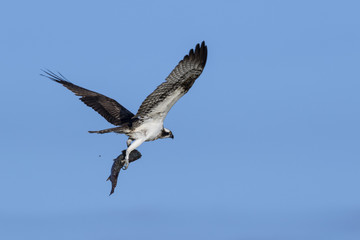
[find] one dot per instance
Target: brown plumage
(107, 107)
(182, 77)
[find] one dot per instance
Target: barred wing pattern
(180, 80)
(107, 107)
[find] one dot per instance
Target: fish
(118, 164)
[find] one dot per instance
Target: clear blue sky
(266, 142)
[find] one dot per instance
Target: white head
(166, 133)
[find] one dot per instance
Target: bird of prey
(147, 123)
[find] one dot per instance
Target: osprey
(147, 124)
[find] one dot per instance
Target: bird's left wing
(107, 107)
(180, 80)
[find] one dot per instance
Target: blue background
(266, 142)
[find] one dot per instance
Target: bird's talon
(126, 164)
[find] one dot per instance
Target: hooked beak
(172, 136)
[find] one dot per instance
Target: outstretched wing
(110, 109)
(180, 80)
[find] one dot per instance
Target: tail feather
(115, 129)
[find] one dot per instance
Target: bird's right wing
(107, 107)
(180, 80)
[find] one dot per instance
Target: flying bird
(148, 123)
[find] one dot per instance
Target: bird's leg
(128, 142)
(132, 146)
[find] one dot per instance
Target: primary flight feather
(147, 124)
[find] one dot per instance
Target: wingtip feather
(53, 76)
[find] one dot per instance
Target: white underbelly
(149, 130)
